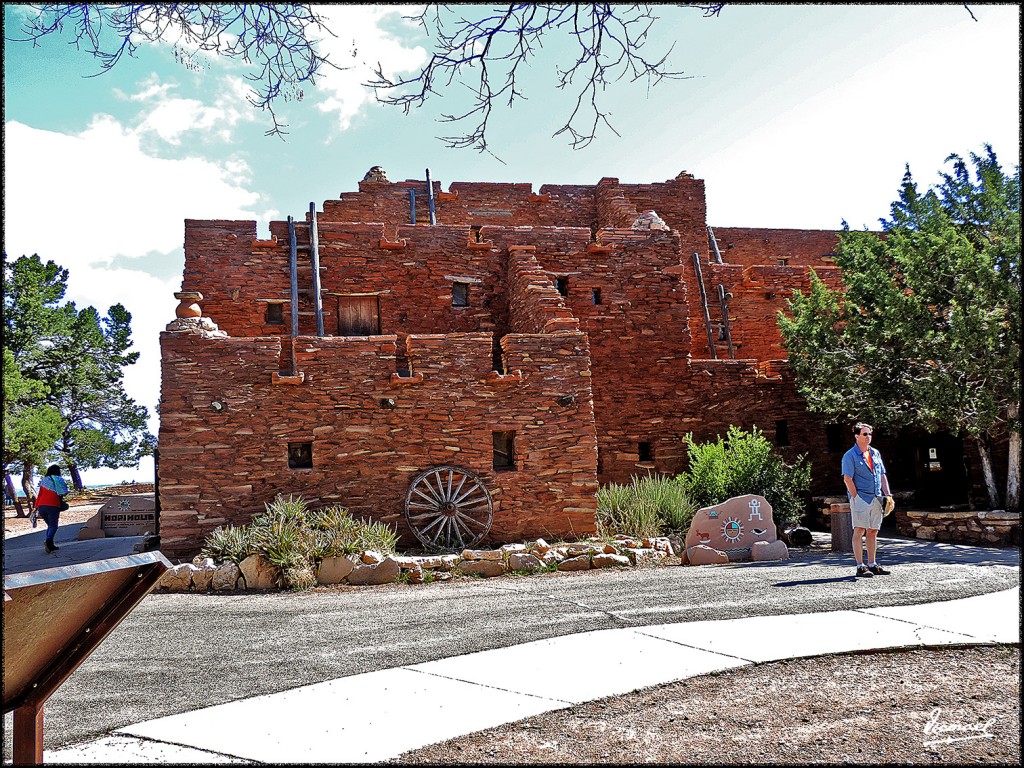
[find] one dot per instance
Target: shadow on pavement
(814, 581)
(901, 551)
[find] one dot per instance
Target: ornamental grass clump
(335, 532)
(296, 539)
(646, 506)
(377, 536)
(227, 544)
(281, 534)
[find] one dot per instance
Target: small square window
(275, 314)
(781, 432)
(300, 455)
(595, 294)
(645, 452)
(504, 450)
(562, 285)
(460, 294)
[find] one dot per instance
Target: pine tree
(73, 362)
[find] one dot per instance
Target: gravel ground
(951, 706)
(862, 708)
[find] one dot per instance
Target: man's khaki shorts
(864, 515)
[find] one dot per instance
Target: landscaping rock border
(372, 568)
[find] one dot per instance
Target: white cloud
(171, 118)
(360, 44)
(106, 195)
(85, 199)
(152, 87)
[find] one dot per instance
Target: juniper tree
(926, 329)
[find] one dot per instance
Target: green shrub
(744, 463)
(646, 506)
(281, 534)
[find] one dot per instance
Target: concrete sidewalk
(376, 716)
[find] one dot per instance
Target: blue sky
(795, 116)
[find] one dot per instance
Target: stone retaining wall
(987, 527)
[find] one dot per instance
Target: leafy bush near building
(296, 539)
(744, 463)
(646, 506)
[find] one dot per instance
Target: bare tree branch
(277, 41)
(486, 54)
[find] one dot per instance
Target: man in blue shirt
(868, 489)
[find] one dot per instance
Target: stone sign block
(731, 529)
(128, 516)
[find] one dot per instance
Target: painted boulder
(731, 528)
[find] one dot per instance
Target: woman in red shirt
(52, 490)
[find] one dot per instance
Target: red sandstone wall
(410, 273)
(755, 296)
(534, 304)
(680, 202)
(639, 342)
(221, 467)
(798, 247)
(467, 203)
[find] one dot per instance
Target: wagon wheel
(448, 508)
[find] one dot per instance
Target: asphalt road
(179, 652)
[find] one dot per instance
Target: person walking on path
(868, 489)
(49, 503)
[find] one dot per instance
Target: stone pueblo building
(469, 365)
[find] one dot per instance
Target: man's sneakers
(50, 547)
(867, 571)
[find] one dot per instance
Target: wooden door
(358, 316)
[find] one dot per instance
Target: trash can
(842, 528)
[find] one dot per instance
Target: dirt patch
(924, 706)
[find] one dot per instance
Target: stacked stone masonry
(997, 527)
(546, 315)
(370, 568)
